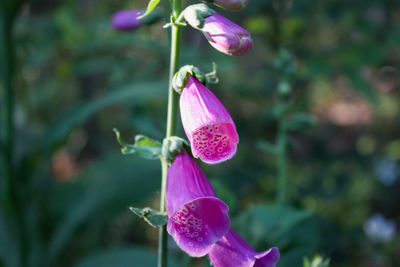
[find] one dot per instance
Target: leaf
(134, 93)
(270, 223)
(123, 257)
(317, 261)
(152, 217)
(150, 7)
(144, 146)
(100, 194)
(300, 122)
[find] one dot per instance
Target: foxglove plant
(197, 218)
(222, 34)
(232, 251)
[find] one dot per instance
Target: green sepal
(144, 146)
(152, 217)
(173, 146)
(196, 14)
(180, 78)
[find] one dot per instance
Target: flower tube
(207, 124)
(233, 251)
(126, 20)
(197, 218)
(224, 35)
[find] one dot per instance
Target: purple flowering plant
(190, 211)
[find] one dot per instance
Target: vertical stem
(11, 193)
(171, 126)
(281, 161)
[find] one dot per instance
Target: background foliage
(77, 78)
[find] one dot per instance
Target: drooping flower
(232, 251)
(234, 5)
(207, 124)
(224, 35)
(126, 20)
(197, 218)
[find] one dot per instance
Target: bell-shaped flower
(232, 251)
(224, 35)
(207, 124)
(127, 20)
(197, 218)
(234, 5)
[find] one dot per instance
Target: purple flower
(235, 5)
(126, 20)
(226, 36)
(207, 124)
(197, 218)
(232, 251)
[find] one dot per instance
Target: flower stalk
(7, 14)
(173, 98)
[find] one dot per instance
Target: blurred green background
(336, 62)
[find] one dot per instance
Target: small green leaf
(317, 261)
(150, 7)
(300, 122)
(144, 146)
(152, 217)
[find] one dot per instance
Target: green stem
(281, 161)
(11, 193)
(171, 126)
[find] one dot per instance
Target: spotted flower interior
(196, 225)
(215, 143)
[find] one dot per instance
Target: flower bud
(126, 20)
(234, 5)
(224, 35)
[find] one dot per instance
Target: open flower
(197, 218)
(126, 20)
(224, 35)
(232, 251)
(207, 124)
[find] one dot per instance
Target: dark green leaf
(152, 217)
(123, 257)
(100, 193)
(135, 93)
(270, 222)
